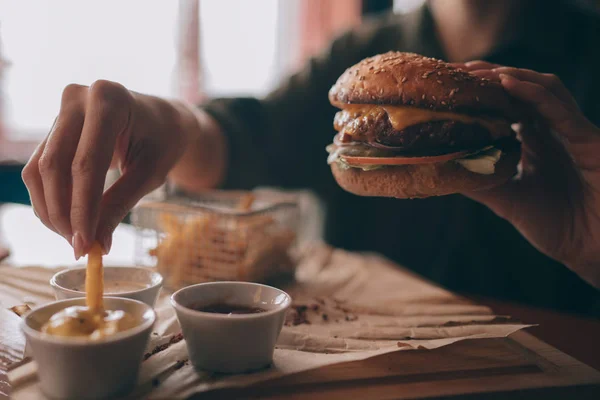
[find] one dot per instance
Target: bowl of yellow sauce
(88, 353)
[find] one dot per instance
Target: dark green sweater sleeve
(280, 140)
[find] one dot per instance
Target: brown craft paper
(347, 307)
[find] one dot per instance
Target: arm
(238, 142)
(279, 140)
(204, 161)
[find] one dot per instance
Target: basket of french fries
(219, 236)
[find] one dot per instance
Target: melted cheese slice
(402, 117)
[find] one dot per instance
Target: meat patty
(435, 137)
(441, 135)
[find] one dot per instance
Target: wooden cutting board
(519, 367)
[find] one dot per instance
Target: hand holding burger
(555, 203)
(412, 126)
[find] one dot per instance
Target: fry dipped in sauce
(94, 279)
(92, 321)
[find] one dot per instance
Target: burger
(411, 126)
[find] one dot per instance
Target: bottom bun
(425, 180)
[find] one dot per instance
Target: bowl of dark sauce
(222, 308)
(230, 327)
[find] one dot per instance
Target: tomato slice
(353, 160)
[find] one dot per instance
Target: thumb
(120, 198)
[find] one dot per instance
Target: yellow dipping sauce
(93, 321)
(81, 321)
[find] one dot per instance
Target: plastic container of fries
(219, 236)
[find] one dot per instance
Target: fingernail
(68, 235)
(77, 245)
(504, 78)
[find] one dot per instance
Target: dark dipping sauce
(223, 308)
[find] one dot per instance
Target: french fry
(170, 223)
(221, 247)
(20, 309)
(94, 279)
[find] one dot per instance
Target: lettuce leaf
(483, 162)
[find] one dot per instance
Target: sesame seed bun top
(408, 79)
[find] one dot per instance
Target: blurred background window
(191, 49)
(150, 45)
(54, 43)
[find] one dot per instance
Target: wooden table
(521, 366)
(575, 335)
